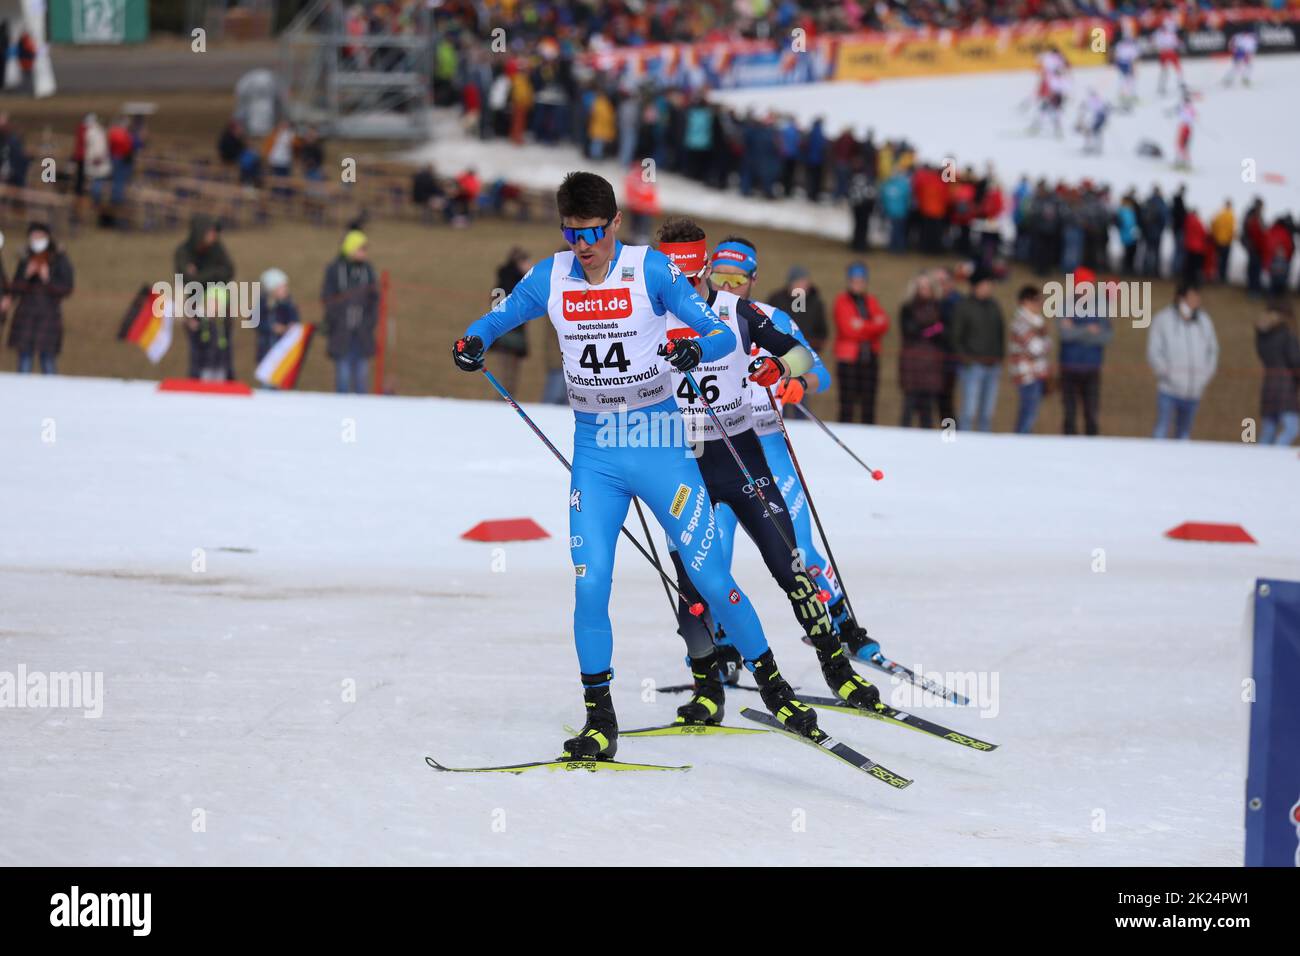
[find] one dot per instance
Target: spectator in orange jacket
(930, 195)
(1222, 228)
(860, 324)
(641, 202)
(522, 97)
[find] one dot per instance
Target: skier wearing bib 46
(755, 501)
(741, 278)
(610, 305)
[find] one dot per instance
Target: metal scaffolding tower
(358, 86)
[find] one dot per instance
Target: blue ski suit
(642, 452)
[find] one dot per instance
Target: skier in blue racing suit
(610, 304)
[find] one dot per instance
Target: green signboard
(99, 21)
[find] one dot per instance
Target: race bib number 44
(597, 305)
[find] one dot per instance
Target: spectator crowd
(349, 296)
(957, 346)
(540, 88)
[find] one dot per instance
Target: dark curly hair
(586, 196)
(679, 229)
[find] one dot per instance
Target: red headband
(689, 257)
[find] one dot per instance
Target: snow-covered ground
(331, 556)
(983, 118)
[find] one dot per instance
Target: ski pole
(650, 540)
(767, 509)
(875, 473)
(794, 459)
(697, 608)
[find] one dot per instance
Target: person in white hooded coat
(1183, 351)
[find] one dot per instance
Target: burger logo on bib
(597, 305)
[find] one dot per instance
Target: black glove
(682, 354)
(468, 353)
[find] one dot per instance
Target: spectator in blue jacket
(1019, 197)
(1126, 217)
(896, 203)
(769, 161)
(750, 133)
(788, 148)
(698, 139)
(1154, 218)
(1084, 335)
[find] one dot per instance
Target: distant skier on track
(1167, 43)
(1092, 121)
(1186, 122)
(1053, 84)
(763, 511)
(1242, 46)
(1126, 54)
(609, 304)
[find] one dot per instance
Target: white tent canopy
(28, 16)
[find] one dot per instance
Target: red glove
(790, 391)
(766, 370)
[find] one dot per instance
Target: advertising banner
(927, 51)
(879, 56)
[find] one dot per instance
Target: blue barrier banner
(718, 65)
(1273, 780)
(775, 68)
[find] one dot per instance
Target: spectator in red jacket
(930, 195)
(471, 101)
(860, 324)
(988, 219)
(122, 147)
(641, 201)
(79, 156)
(465, 201)
(1196, 248)
(961, 209)
(1278, 250)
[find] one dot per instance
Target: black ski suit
(728, 486)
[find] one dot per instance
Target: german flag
(280, 366)
(148, 324)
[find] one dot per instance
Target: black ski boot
(706, 704)
(779, 697)
(730, 663)
(598, 737)
(853, 635)
(848, 685)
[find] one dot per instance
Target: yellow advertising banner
(927, 53)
